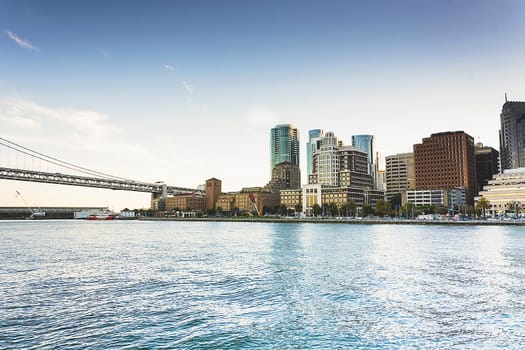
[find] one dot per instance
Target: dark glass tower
(512, 135)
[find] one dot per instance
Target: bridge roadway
(83, 181)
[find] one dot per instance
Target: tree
(382, 208)
(352, 207)
(283, 209)
(298, 208)
(408, 210)
(367, 210)
(483, 204)
(316, 208)
(395, 200)
(332, 207)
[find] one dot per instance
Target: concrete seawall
(348, 221)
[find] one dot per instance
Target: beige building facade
(399, 173)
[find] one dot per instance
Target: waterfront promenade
(344, 220)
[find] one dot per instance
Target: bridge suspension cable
(94, 179)
(55, 161)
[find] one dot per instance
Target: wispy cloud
(28, 114)
(21, 42)
(168, 67)
(190, 89)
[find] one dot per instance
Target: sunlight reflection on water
(73, 284)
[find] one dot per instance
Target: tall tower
(212, 192)
(486, 164)
(284, 145)
(445, 161)
(312, 146)
(326, 161)
(366, 144)
(512, 135)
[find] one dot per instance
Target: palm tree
(483, 204)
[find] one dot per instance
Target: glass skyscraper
(284, 145)
(366, 144)
(313, 144)
(512, 135)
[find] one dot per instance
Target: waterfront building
(312, 146)
(186, 202)
(337, 165)
(340, 174)
(505, 192)
(312, 194)
(249, 199)
(291, 198)
(512, 135)
(213, 188)
(444, 161)
(452, 198)
(284, 143)
(486, 164)
(399, 173)
(366, 144)
(423, 197)
(457, 197)
(284, 176)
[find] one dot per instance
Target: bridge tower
(158, 199)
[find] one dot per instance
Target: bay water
(223, 285)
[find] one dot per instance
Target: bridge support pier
(158, 199)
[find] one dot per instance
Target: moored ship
(102, 215)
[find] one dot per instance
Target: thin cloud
(168, 67)
(28, 114)
(190, 89)
(21, 42)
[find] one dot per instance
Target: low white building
(424, 197)
(504, 190)
(449, 198)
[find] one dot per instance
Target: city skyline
(159, 91)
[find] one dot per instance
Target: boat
(37, 214)
(102, 215)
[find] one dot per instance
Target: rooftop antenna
(506, 98)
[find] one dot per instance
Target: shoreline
(346, 221)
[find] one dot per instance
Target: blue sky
(182, 91)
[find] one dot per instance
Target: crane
(35, 213)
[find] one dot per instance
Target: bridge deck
(83, 181)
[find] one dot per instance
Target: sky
(182, 91)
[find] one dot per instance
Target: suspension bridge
(17, 163)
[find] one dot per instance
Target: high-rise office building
(338, 165)
(366, 144)
(444, 161)
(284, 145)
(399, 173)
(313, 144)
(512, 135)
(486, 164)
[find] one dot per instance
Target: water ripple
(129, 285)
